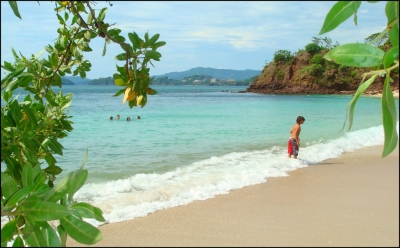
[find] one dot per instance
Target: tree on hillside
(368, 55)
(31, 129)
(378, 41)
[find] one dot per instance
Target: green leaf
(53, 170)
(389, 119)
(158, 44)
(8, 185)
(136, 41)
(39, 186)
(120, 82)
(43, 211)
(5, 178)
(18, 242)
(352, 103)
(8, 230)
(18, 196)
(66, 16)
(87, 49)
(80, 230)
(60, 19)
(49, 234)
(390, 56)
(89, 18)
(76, 183)
(14, 54)
(24, 81)
(151, 54)
(7, 95)
(87, 35)
(62, 234)
(27, 175)
(55, 146)
(102, 14)
(88, 211)
(339, 13)
(85, 159)
(357, 55)
(14, 7)
(13, 76)
(36, 239)
(392, 13)
(153, 40)
(62, 187)
(119, 92)
(31, 116)
(121, 57)
(120, 38)
(12, 85)
(104, 48)
(39, 54)
(82, 74)
(54, 60)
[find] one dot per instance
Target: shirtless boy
(294, 140)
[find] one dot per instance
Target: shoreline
(352, 200)
(395, 94)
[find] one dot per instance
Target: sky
(233, 35)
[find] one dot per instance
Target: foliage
(31, 129)
(102, 81)
(283, 55)
(379, 41)
(317, 59)
(323, 42)
(202, 80)
(313, 48)
(279, 75)
(367, 55)
(215, 73)
(315, 70)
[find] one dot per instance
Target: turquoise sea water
(195, 142)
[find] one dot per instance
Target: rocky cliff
(311, 74)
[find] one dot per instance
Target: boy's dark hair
(300, 118)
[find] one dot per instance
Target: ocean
(195, 142)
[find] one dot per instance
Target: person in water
(111, 118)
(138, 117)
(118, 117)
(294, 140)
(128, 118)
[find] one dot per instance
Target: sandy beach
(395, 94)
(352, 200)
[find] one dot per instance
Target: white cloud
(237, 35)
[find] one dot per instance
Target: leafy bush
(283, 55)
(313, 70)
(367, 55)
(31, 129)
(313, 48)
(317, 59)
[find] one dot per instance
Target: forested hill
(220, 74)
(76, 80)
(197, 76)
(191, 80)
(66, 81)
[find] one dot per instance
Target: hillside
(77, 80)
(220, 77)
(66, 81)
(220, 74)
(311, 74)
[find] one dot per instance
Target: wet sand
(352, 200)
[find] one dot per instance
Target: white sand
(352, 200)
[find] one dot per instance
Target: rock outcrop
(301, 76)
